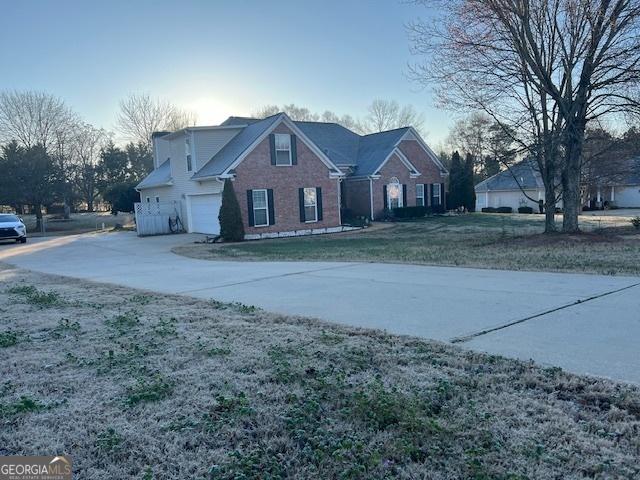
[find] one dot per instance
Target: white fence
(156, 218)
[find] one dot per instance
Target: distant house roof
(523, 175)
(232, 121)
(160, 177)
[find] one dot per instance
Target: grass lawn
(134, 385)
(610, 245)
(78, 223)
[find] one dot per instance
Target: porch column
(613, 193)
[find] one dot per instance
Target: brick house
(290, 177)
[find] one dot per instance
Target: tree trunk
(571, 200)
(549, 209)
(38, 209)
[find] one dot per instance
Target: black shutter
(404, 196)
(442, 197)
(425, 192)
(319, 202)
(294, 150)
(384, 197)
(250, 208)
(303, 217)
(272, 144)
(272, 213)
(431, 195)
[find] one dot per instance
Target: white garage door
(204, 211)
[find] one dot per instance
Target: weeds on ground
(124, 322)
(148, 390)
(9, 338)
(108, 440)
(35, 297)
(25, 404)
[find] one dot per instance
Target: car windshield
(8, 219)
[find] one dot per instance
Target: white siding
(207, 143)
(160, 151)
(508, 198)
(627, 197)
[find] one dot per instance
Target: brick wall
(429, 173)
(256, 172)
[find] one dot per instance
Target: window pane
(259, 199)
(420, 201)
(309, 196)
(189, 167)
(282, 157)
(419, 190)
(260, 216)
(283, 142)
(310, 213)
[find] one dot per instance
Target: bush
(525, 210)
(497, 210)
(230, 216)
(121, 197)
(635, 221)
(411, 212)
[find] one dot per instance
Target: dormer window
(283, 149)
(187, 153)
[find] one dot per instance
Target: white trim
(413, 171)
(613, 193)
(433, 196)
(299, 134)
(425, 147)
(400, 192)
(371, 195)
(275, 141)
(424, 203)
(266, 207)
(188, 157)
(315, 205)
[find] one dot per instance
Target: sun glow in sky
(217, 58)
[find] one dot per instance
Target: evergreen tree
(468, 184)
(456, 178)
(230, 216)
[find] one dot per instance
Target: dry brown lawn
(135, 385)
(608, 245)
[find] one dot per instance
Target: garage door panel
(204, 210)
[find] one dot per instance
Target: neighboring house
(290, 177)
(519, 186)
(508, 188)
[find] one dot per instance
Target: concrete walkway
(582, 323)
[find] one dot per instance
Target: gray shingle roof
(236, 146)
(526, 173)
(159, 177)
(375, 148)
(239, 121)
(342, 146)
(337, 142)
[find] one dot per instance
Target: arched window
(394, 193)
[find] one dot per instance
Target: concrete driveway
(582, 323)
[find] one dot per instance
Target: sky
(216, 58)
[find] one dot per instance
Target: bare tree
(387, 115)
(382, 115)
(87, 144)
(33, 118)
(542, 68)
(141, 115)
